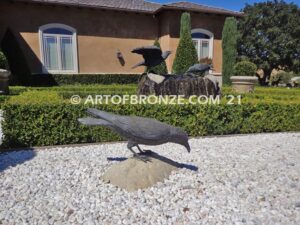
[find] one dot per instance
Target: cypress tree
(186, 54)
(161, 68)
(229, 46)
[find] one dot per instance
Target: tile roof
(201, 8)
(135, 5)
(126, 5)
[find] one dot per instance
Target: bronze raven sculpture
(152, 55)
(138, 130)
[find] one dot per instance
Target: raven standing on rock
(152, 55)
(199, 68)
(138, 130)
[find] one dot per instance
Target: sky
(235, 5)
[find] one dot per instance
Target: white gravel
(251, 179)
(1, 119)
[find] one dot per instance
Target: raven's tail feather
(101, 114)
(94, 122)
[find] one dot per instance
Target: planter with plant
(244, 77)
(4, 75)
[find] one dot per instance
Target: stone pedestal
(4, 82)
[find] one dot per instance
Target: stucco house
(87, 36)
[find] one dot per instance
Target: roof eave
(151, 12)
(166, 7)
(89, 7)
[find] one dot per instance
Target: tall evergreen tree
(161, 68)
(186, 54)
(229, 46)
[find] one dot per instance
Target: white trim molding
(211, 39)
(74, 46)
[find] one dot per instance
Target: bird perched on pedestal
(138, 130)
(199, 68)
(152, 55)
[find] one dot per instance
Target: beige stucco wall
(101, 33)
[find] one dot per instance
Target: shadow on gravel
(189, 167)
(159, 157)
(11, 159)
(117, 159)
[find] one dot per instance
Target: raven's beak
(187, 146)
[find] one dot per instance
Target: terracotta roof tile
(201, 8)
(135, 5)
(130, 5)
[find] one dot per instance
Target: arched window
(58, 45)
(203, 41)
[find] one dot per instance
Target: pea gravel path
(252, 179)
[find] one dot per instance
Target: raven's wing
(139, 64)
(145, 128)
(94, 122)
(149, 129)
(198, 68)
(148, 52)
(101, 114)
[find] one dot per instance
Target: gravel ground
(1, 135)
(252, 179)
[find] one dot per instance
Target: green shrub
(36, 97)
(281, 78)
(245, 68)
(229, 46)
(53, 124)
(261, 94)
(16, 90)
(3, 61)
(161, 68)
(82, 90)
(186, 54)
(267, 95)
(73, 79)
(85, 90)
(3, 98)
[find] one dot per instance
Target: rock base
(133, 173)
(184, 85)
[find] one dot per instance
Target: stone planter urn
(243, 84)
(4, 82)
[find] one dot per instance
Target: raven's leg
(130, 145)
(141, 151)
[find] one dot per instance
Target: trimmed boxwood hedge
(81, 90)
(3, 98)
(67, 79)
(38, 124)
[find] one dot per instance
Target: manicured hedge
(85, 90)
(39, 124)
(66, 79)
(3, 99)
(81, 90)
(267, 95)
